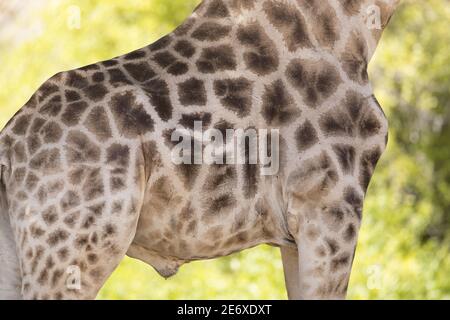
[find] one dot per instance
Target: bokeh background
(403, 250)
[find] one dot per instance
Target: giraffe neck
(324, 20)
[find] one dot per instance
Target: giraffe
(86, 170)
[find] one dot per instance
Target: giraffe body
(86, 162)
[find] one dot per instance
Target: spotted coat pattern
(86, 162)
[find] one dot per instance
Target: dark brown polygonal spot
(71, 219)
(352, 197)
(369, 125)
(95, 92)
(33, 144)
(93, 187)
(214, 59)
(92, 258)
(118, 155)
(261, 56)
(164, 59)
(81, 241)
(349, 233)
(161, 43)
(369, 160)
(289, 21)
(355, 104)
(47, 161)
(36, 232)
(332, 246)
(158, 92)
(98, 77)
(217, 9)
(327, 33)
(76, 80)
(51, 132)
(117, 77)
(31, 181)
(161, 193)
(131, 117)
(109, 230)
(222, 125)
(37, 124)
(235, 94)
(80, 149)
(50, 215)
(355, 58)
(185, 48)
(178, 68)
(90, 67)
(251, 179)
(117, 207)
(340, 262)
(63, 253)
(57, 237)
(72, 96)
(189, 173)
(323, 22)
(346, 156)
(140, 71)
(134, 55)
(97, 123)
(57, 275)
(317, 176)
(306, 136)
(110, 63)
(211, 31)
(52, 107)
(73, 112)
(42, 280)
(69, 201)
(218, 204)
(42, 195)
(167, 135)
(19, 152)
(21, 124)
(188, 120)
(315, 80)
(19, 175)
(192, 92)
(278, 105)
(337, 123)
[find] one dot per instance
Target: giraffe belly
(167, 242)
(176, 226)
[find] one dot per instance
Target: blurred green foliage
(403, 250)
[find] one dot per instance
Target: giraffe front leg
(324, 218)
(289, 257)
(73, 260)
(326, 239)
(74, 236)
